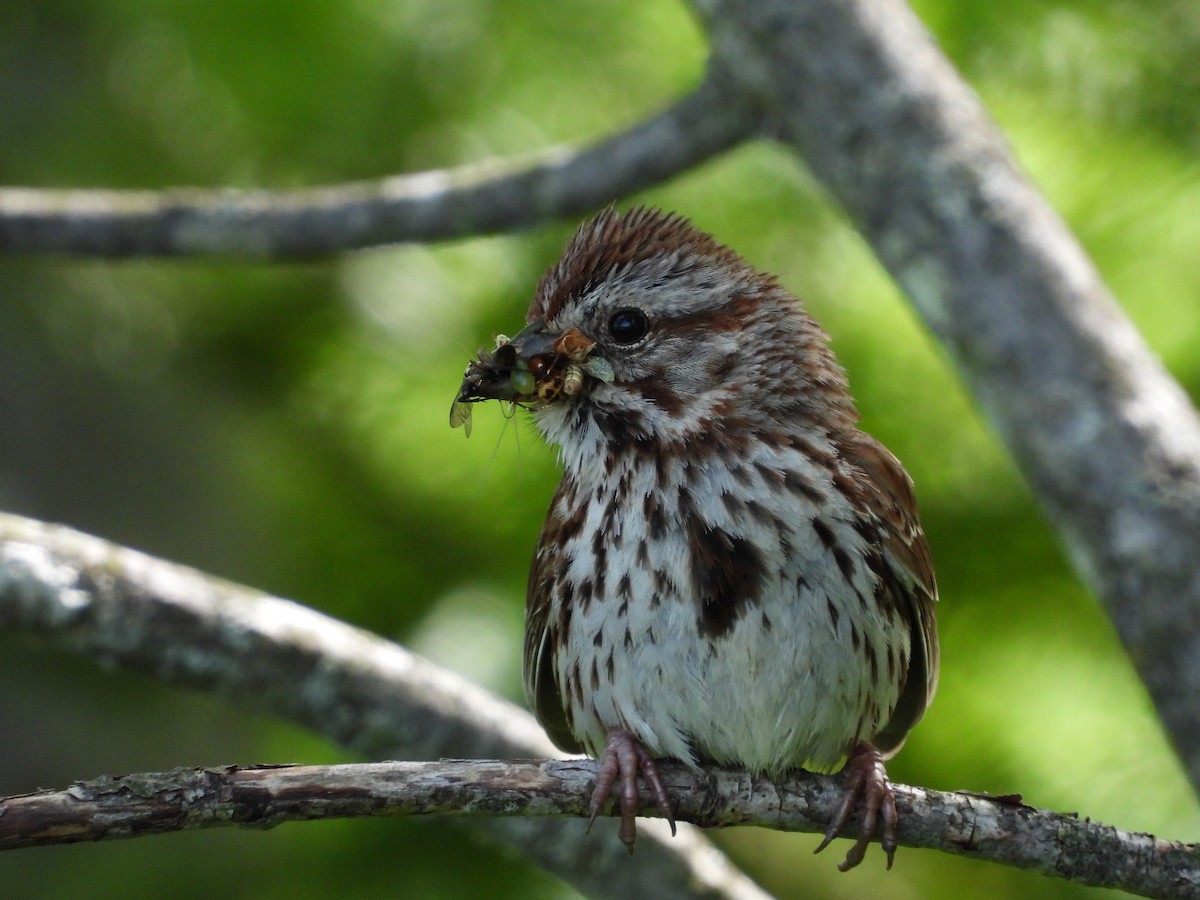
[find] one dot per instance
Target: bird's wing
(912, 584)
(543, 637)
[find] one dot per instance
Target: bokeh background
(286, 425)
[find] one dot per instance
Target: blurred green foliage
(285, 425)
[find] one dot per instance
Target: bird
(730, 570)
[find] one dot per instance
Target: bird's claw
(866, 782)
(625, 758)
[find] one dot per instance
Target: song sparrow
(730, 571)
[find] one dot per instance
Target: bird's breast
(706, 612)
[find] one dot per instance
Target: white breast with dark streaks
(788, 684)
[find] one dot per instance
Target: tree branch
(476, 199)
(122, 608)
(1109, 441)
(995, 829)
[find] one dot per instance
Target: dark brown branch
(122, 608)
(262, 797)
(428, 206)
(1110, 443)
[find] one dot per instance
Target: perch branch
(996, 829)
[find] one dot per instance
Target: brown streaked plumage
(730, 570)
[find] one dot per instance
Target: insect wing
(460, 416)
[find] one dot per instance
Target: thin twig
(475, 199)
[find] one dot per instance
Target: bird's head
(649, 331)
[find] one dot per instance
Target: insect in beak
(533, 367)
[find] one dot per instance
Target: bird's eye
(627, 326)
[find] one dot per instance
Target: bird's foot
(865, 782)
(625, 758)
